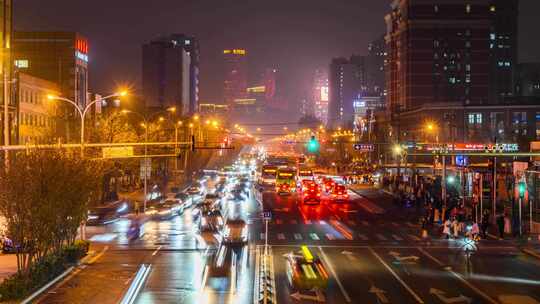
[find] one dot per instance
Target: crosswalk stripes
(397, 237)
(279, 221)
(281, 236)
(381, 237)
(314, 236)
(297, 236)
(307, 222)
(294, 222)
(323, 223)
(362, 237)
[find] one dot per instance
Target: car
(235, 232)
(328, 185)
(165, 210)
(304, 184)
(194, 190)
(312, 194)
(236, 195)
(339, 193)
(101, 215)
(212, 221)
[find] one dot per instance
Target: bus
(305, 173)
(306, 271)
(268, 175)
(285, 180)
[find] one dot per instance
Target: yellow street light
(191, 125)
(123, 93)
(207, 122)
(215, 123)
(196, 117)
(161, 119)
(397, 149)
(172, 109)
(179, 123)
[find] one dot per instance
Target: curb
(38, 292)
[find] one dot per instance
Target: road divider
(265, 284)
(136, 284)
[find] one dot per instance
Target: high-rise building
(171, 73)
(346, 84)
(59, 57)
(6, 69)
(528, 79)
(374, 62)
(320, 95)
(235, 75)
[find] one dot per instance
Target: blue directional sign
(267, 215)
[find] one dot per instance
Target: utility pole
(494, 207)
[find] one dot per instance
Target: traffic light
(313, 145)
(192, 143)
(522, 188)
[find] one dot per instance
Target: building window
(467, 44)
(22, 63)
(468, 8)
(492, 8)
(436, 8)
(537, 125)
(475, 118)
(492, 36)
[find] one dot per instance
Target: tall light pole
(146, 125)
(83, 111)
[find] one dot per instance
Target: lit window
(468, 8)
(493, 8)
(492, 36)
(468, 67)
(436, 8)
(22, 63)
(467, 44)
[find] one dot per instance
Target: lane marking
(397, 237)
(281, 236)
(314, 236)
(381, 237)
(396, 276)
(155, 252)
(458, 276)
(331, 267)
(323, 223)
(330, 237)
(307, 222)
(279, 222)
(97, 257)
(297, 236)
(363, 237)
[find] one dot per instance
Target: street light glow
(397, 149)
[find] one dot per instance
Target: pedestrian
(475, 231)
(455, 227)
(446, 228)
(500, 225)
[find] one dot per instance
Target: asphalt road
(373, 252)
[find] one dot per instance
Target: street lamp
(83, 111)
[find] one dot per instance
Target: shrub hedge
(20, 285)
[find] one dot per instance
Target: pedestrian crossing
(336, 236)
(349, 223)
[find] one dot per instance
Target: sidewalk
(8, 265)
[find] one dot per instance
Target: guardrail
(265, 291)
(136, 284)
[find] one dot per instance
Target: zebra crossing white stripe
(297, 236)
(308, 222)
(363, 237)
(279, 222)
(314, 236)
(330, 237)
(414, 237)
(397, 237)
(323, 223)
(381, 237)
(281, 236)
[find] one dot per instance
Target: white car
(235, 232)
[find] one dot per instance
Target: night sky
(296, 36)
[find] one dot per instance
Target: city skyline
(279, 30)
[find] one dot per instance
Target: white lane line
(331, 267)
(297, 236)
(458, 276)
(323, 223)
(397, 237)
(281, 236)
(314, 236)
(363, 237)
(155, 252)
(414, 237)
(416, 297)
(330, 237)
(381, 237)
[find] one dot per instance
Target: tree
(44, 198)
(114, 128)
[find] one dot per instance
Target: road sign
(363, 147)
(117, 152)
(266, 215)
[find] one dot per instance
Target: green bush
(20, 285)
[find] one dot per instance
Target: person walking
(500, 225)
(475, 231)
(446, 228)
(455, 227)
